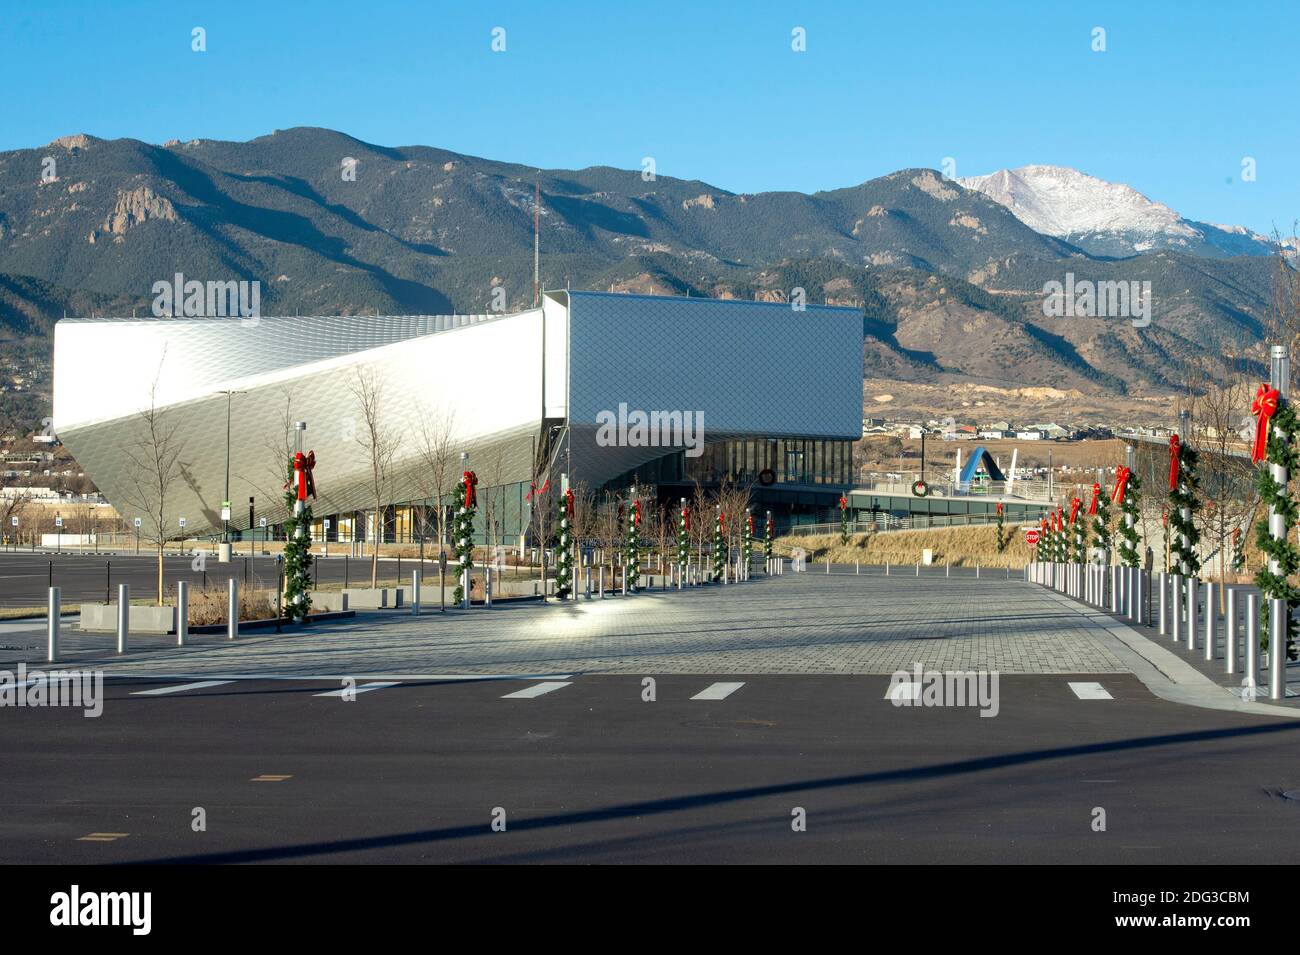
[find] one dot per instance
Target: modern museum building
(607, 390)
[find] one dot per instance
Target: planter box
(270, 622)
(381, 598)
(102, 618)
(329, 600)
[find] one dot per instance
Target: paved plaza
(797, 623)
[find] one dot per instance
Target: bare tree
(435, 477)
(153, 468)
(378, 442)
(1225, 471)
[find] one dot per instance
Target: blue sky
(713, 91)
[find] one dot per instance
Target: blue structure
(978, 457)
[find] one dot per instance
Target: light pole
(223, 556)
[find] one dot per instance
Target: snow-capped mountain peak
(1106, 218)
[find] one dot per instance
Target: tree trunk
(160, 575)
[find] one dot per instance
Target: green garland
(297, 555)
(1101, 523)
(767, 537)
(748, 549)
(1079, 541)
(719, 549)
(844, 521)
(1275, 496)
(1184, 496)
(683, 540)
(1132, 504)
(564, 550)
(632, 558)
(1045, 545)
(1002, 530)
(462, 529)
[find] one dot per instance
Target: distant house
(993, 433)
(1032, 434)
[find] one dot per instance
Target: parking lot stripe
(164, 690)
(717, 691)
(530, 692)
(1090, 691)
(363, 688)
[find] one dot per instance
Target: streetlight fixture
(223, 556)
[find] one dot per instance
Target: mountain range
(950, 273)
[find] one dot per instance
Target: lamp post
(223, 554)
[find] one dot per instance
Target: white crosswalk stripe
(717, 691)
(164, 690)
(363, 688)
(536, 690)
(1090, 691)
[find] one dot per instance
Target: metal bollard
(624, 569)
(1192, 588)
(52, 624)
(977, 571)
(415, 592)
(1252, 642)
(857, 567)
(232, 610)
(1230, 631)
(886, 568)
(182, 612)
(466, 580)
(1176, 607)
(1114, 590)
(601, 582)
(123, 616)
(1277, 621)
(1140, 614)
(918, 568)
(487, 586)
(587, 581)
(1162, 582)
(1210, 636)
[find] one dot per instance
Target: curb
(1164, 673)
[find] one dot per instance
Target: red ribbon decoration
(686, 519)
(999, 507)
(568, 504)
(1075, 504)
(1263, 408)
(471, 482)
(750, 518)
(303, 480)
(1058, 520)
(1122, 474)
(1096, 493)
(1174, 449)
(636, 513)
(844, 503)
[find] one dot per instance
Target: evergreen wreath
(1276, 497)
(1182, 494)
(463, 531)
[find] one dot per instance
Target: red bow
(1174, 450)
(1122, 474)
(568, 504)
(1058, 519)
(1263, 408)
(471, 482)
(1096, 492)
(303, 480)
(750, 519)
(1042, 523)
(636, 513)
(1074, 508)
(999, 507)
(844, 502)
(533, 489)
(722, 522)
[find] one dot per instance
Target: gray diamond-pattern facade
(522, 391)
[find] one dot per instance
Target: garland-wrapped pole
(632, 561)
(748, 549)
(719, 548)
(1276, 424)
(767, 536)
(297, 529)
(683, 542)
(564, 548)
(1002, 529)
(844, 520)
(1182, 499)
(1076, 553)
(1129, 501)
(466, 504)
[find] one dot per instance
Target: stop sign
(1031, 536)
